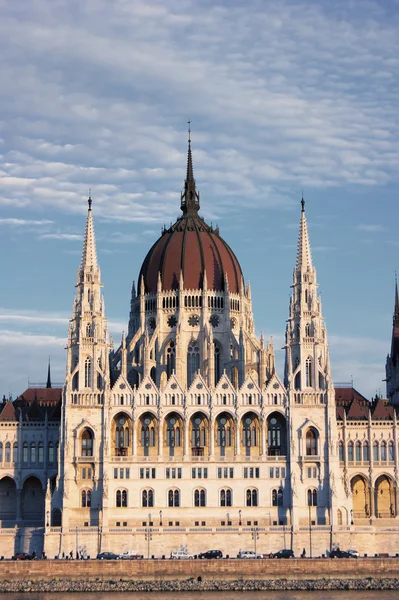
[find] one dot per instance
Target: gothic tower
(83, 424)
(315, 478)
(392, 362)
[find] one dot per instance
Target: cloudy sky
(283, 95)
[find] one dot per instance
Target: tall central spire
(304, 257)
(89, 255)
(190, 198)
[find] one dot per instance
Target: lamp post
(239, 518)
(77, 542)
(255, 536)
(310, 530)
(148, 535)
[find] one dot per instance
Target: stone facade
(185, 434)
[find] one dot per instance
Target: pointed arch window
(88, 330)
(170, 359)
(308, 371)
(307, 330)
(252, 497)
(88, 372)
(147, 498)
(193, 362)
(341, 451)
(217, 363)
(366, 452)
(358, 452)
(15, 452)
(199, 498)
(51, 453)
(383, 451)
(376, 451)
(225, 497)
(391, 451)
(199, 432)
(311, 442)
(121, 498)
(312, 497)
(40, 453)
(87, 443)
(350, 451)
(147, 434)
(86, 498)
(33, 453)
(174, 498)
(277, 497)
(25, 453)
(8, 452)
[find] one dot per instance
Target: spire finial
(89, 200)
(396, 315)
(189, 199)
(303, 203)
(48, 384)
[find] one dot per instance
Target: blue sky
(282, 95)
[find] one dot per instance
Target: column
(237, 452)
(19, 505)
(160, 437)
(263, 450)
(212, 437)
(396, 500)
(372, 503)
(185, 439)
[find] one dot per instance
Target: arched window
(121, 498)
(1, 452)
(153, 374)
(311, 442)
(350, 451)
(122, 435)
(252, 497)
(33, 452)
(87, 443)
(277, 497)
(199, 498)
(174, 498)
(147, 434)
(307, 330)
(383, 451)
(170, 359)
(15, 452)
(147, 498)
(376, 451)
(391, 451)
(173, 434)
(87, 372)
(198, 432)
(217, 361)
(88, 330)
(366, 452)
(193, 362)
(25, 452)
(308, 366)
(341, 451)
(249, 432)
(225, 497)
(276, 439)
(40, 452)
(51, 453)
(358, 452)
(223, 434)
(86, 498)
(8, 452)
(312, 497)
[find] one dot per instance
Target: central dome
(192, 247)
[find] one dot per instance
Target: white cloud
(13, 222)
(371, 228)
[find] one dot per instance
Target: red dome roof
(190, 246)
(193, 247)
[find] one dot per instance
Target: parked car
(285, 553)
(211, 554)
(107, 556)
(181, 555)
(248, 554)
(354, 553)
(22, 556)
(129, 555)
(337, 553)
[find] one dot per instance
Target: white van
(181, 554)
(129, 555)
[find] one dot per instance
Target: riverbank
(190, 585)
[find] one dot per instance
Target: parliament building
(185, 434)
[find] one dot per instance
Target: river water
(319, 595)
